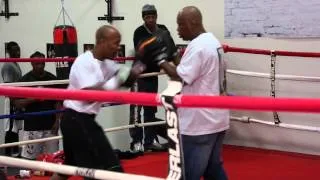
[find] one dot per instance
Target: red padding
(150, 99)
(227, 48)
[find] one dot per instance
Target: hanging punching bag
(65, 45)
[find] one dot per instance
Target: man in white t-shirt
(84, 142)
(203, 129)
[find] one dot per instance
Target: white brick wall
(272, 18)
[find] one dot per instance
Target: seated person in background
(40, 126)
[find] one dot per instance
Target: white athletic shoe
(136, 147)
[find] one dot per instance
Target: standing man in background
(11, 72)
(40, 126)
(148, 84)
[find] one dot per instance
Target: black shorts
(85, 143)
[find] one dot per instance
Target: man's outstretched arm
(171, 70)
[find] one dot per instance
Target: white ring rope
(60, 137)
(246, 119)
(230, 71)
(278, 76)
(242, 119)
(71, 170)
(56, 82)
(36, 83)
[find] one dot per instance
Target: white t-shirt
(199, 69)
(86, 73)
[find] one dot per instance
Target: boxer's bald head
(189, 22)
(108, 40)
(106, 32)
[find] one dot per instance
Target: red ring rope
(268, 52)
(240, 103)
(54, 59)
(225, 47)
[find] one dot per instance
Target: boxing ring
(232, 102)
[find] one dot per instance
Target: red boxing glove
(56, 157)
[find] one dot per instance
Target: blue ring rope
(20, 115)
(41, 113)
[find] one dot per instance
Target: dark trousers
(85, 143)
(149, 85)
(11, 137)
(202, 156)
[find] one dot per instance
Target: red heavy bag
(65, 34)
(65, 45)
